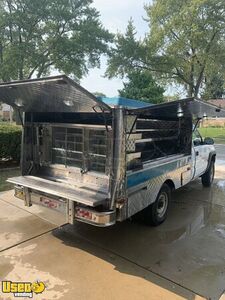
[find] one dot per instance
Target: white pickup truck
(100, 163)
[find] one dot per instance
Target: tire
(208, 177)
(156, 213)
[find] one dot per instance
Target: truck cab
(203, 158)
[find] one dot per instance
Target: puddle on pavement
(220, 229)
(220, 163)
(13, 268)
(221, 184)
(17, 225)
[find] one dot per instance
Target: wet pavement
(76, 269)
(182, 258)
(17, 225)
(220, 149)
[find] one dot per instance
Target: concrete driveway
(220, 149)
(182, 259)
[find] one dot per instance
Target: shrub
(10, 141)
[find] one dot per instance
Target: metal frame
(118, 166)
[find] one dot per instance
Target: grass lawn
(4, 174)
(218, 134)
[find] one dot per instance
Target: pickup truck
(100, 163)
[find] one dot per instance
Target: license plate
(19, 194)
(52, 203)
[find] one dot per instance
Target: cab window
(196, 138)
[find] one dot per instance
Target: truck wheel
(156, 213)
(208, 177)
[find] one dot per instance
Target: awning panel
(187, 107)
(52, 94)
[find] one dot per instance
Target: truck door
(200, 154)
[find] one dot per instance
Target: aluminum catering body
(93, 162)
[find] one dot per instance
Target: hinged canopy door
(52, 94)
(182, 108)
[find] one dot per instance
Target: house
(218, 102)
(215, 122)
(5, 112)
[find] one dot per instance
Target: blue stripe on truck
(146, 175)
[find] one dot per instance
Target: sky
(114, 16)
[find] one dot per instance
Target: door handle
(197, 153)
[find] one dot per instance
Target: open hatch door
(197, 109)
(51, 94)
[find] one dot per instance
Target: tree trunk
(190, 90)
(1, 52)
(196, 91)
(191, 80)
(21, 73)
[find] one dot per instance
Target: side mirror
(197, 142)
(208, 141)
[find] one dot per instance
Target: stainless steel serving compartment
(80, 146)
(69, 169)
(66, 146)
(69, 162)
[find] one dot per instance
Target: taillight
(83, 213)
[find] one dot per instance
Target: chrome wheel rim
(162, 205)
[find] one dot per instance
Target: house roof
(218, 102)
(125, 102)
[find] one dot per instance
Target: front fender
(212, 157)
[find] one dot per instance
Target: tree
(99, 94)
(186, 40)
(126, 55)
(36, 36)
(142, 86)
(214, 87)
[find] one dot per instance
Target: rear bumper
(92, 217)
(74, 211)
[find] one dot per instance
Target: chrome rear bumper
(75, 204)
